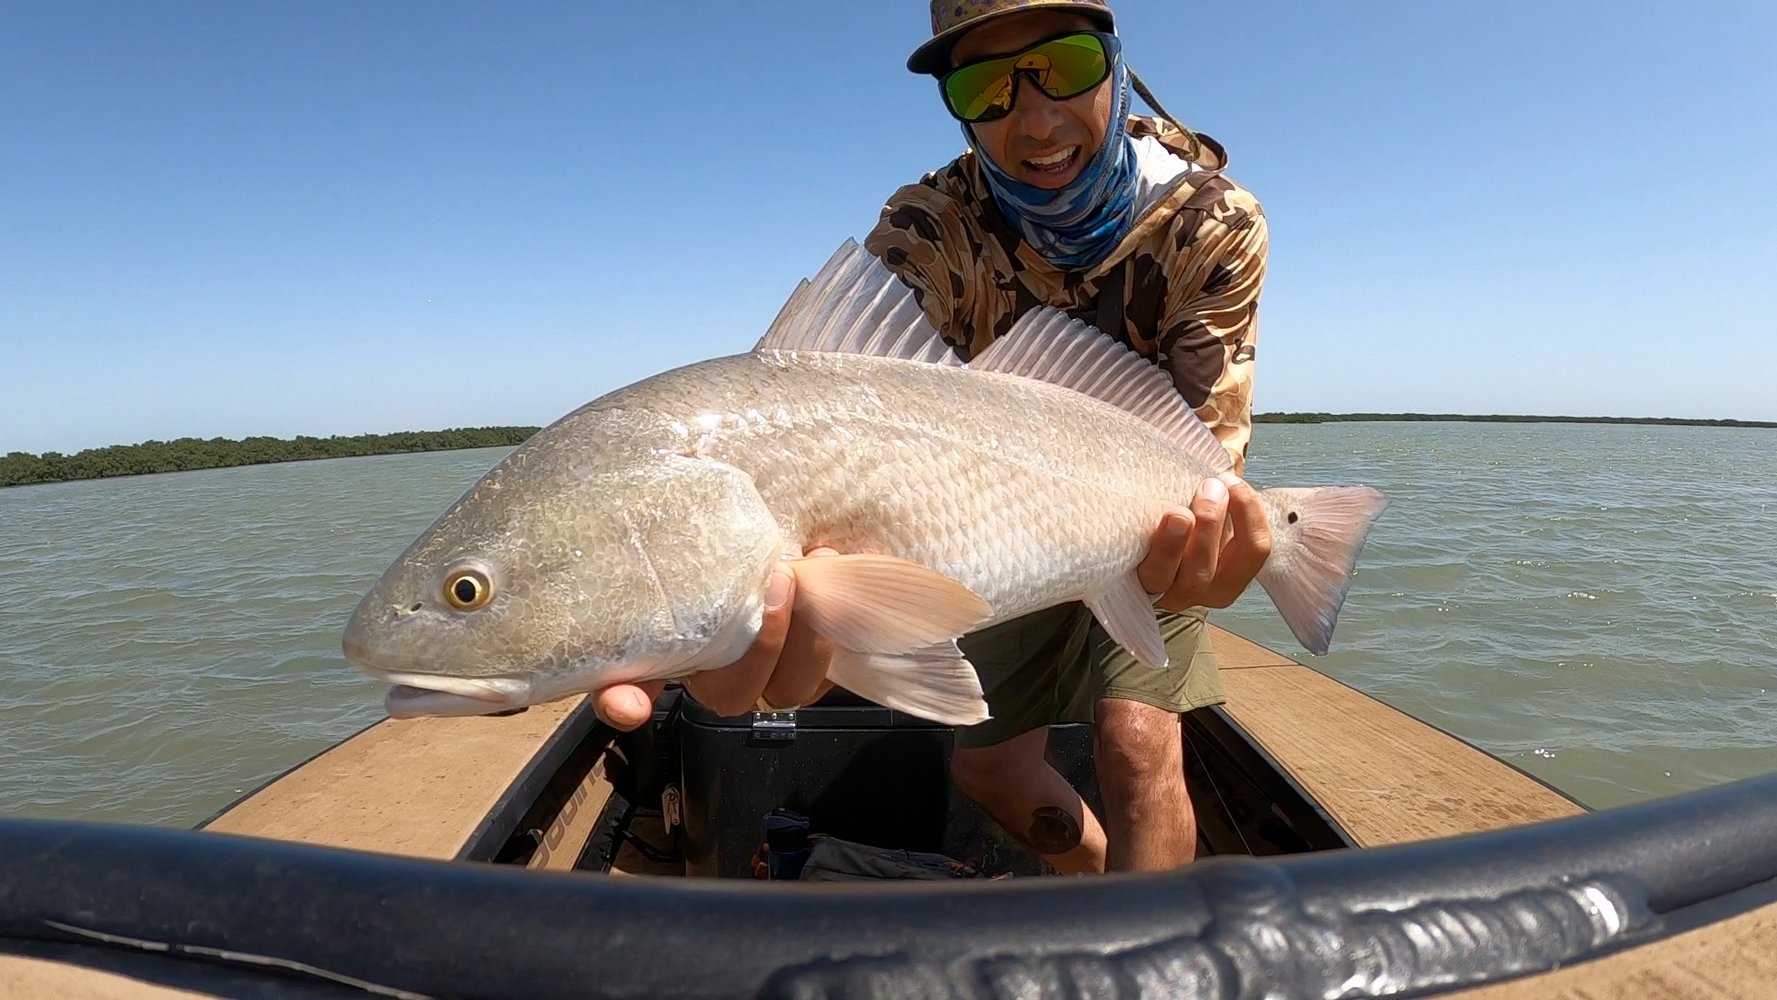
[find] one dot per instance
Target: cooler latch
(774, 727)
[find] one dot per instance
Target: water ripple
(1593, 603)
(1596, 604)
(172, 641)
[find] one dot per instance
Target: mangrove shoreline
(190, 454)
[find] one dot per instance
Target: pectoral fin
(883, 604)
(1127, 614)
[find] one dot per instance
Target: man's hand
(786, 665)
(1205, 555)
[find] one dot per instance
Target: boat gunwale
(503, 817)
(1647, 864)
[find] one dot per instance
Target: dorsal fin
(856, 305)
(1049, 345)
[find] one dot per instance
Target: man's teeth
(1054, 159)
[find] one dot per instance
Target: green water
(1596, 604)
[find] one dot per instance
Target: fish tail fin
(1316, 536)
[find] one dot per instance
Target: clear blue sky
(223, 218)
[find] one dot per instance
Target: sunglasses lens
(1075, 64)
(980, 91)
(1063, 67)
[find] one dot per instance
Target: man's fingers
(627, 706)
(1160, 566)
(802, 665)
(1248, 547)
(1197, 565)
(734, 689)
(800, 668)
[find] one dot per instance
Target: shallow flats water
(1595, 603)
(172, 641)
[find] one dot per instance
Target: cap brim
(933, 58)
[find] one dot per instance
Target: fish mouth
(415, 695)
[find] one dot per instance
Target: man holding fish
(983, 469)
(1139, 232)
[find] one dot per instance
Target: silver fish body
(634, 538)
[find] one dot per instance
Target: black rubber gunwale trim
(1520, 896)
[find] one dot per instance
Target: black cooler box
(853, 770)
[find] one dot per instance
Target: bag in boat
(833, 860)
(789, 852)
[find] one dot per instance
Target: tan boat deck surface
(415, 787)
(1382, 774)
(36, 977)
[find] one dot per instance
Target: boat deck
(429, 787)
(40, 977)
(435, 788)
(1385, 776)
(416, 787)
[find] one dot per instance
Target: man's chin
(1048, 182)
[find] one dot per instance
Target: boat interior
(693, 794)
(1336, 793)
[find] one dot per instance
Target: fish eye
(1294, 517)
(468, 589)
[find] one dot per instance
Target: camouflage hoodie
(1183, 286)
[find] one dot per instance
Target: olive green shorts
(1052, 666)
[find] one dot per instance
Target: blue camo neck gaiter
(1078, 225)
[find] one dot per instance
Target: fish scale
(1034, 516)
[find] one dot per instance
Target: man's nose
(1036, 114)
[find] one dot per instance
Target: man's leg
(1035, 672)
(1140, 756)
(1015, 785)
(1139, 749)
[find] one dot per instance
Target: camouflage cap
(950, 18)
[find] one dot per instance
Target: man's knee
(1016, 786)
(1137, 744)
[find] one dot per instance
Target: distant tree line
(1498, 418)
(185, 454)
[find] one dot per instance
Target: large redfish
(634, 538)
